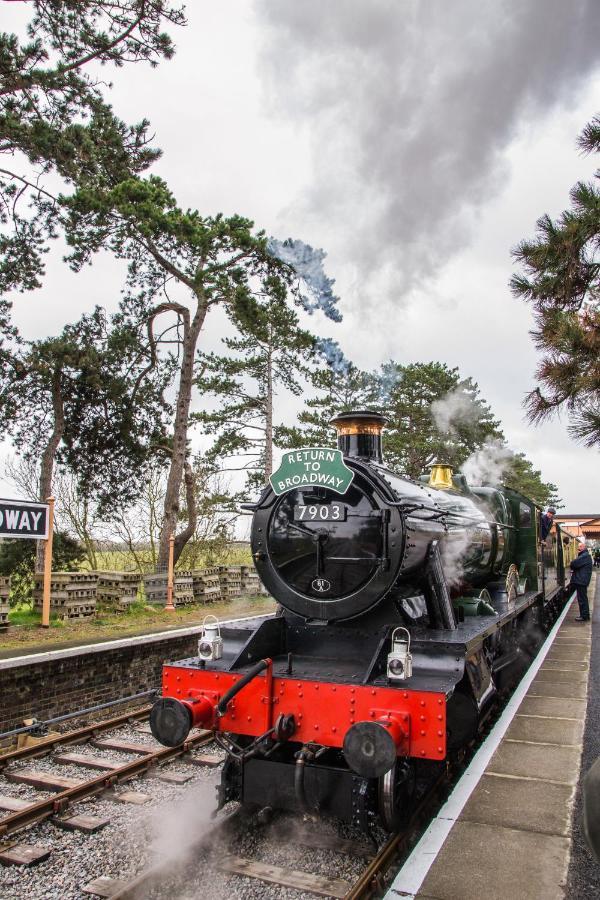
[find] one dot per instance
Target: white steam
(489, 464)
(172, 835)
(455, 551)
(455, 408)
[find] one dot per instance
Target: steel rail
(370, 880)
(71, 737)
(43, 809)
(56, 720)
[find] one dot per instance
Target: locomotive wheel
(395, 791)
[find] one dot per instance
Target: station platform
(506, 831)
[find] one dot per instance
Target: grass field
(237, 554)
(139, 619)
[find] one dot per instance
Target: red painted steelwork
(323, 712)
(201, 709)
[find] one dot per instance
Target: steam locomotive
(406, 609)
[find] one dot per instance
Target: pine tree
(561, 279)
(434, 415)
(521, 476)
(270, 355)
(56, 128)
(84, 400)
(213, 261)
(342, 387)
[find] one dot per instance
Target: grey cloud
(411, 106)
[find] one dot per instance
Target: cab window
(524, 515)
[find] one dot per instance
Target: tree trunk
(47, 461)
(87, 539)
(180, 432)
(269, 418)
(184, 536)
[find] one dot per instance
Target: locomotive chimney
(359, 433)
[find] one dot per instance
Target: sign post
(22, 519)
(35, 521)
(48, 566)
(170, 606)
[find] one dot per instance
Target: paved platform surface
(584, 871)
(513, 838)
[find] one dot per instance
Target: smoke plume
(333, 355)
(410, 107)
(308, 265)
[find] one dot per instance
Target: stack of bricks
(207, 585)
(72, 594)
(117, 590)
(155, 587)
(4, 608)
(250, 581)
(231, 581)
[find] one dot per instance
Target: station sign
(22, 519)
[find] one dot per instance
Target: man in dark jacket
(581, 569)
(547, 520)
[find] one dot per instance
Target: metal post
(170, 607)
(48, 565)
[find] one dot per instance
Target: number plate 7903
(320, 512)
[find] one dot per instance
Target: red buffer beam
(323, 712)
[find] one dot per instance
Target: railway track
(233, 855)
(214, 853)
(373, 866)
(306, 857)
(364, 865)
(114, 759)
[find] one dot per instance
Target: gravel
(158, 831)
(277, 845)
(136, 835)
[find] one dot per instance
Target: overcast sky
(416, 142)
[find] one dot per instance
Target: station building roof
(580, 525)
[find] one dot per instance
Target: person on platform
(581, 574)
(547, 520)
(596, 556)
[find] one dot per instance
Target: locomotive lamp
(210, 645)
(399, 661)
